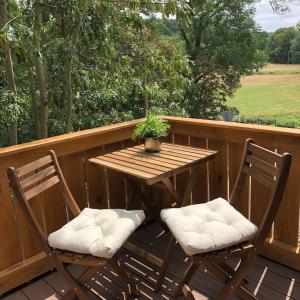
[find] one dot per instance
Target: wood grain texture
(275, 138)
(20, 243)
(116, 183)
(54, 209)
(201, 188)
(24, 271)
(183, 177)
(40, 290)
(218, 179)
(10, 242)
(96, 180)
(260, 195)
(267, 136)
(235, 152)
(286, 227)
(270, 280)
(140, 163)
(73, 169)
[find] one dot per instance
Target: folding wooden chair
(91, 238)
(215, 232)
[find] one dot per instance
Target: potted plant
(151, 130)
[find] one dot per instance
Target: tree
(85, 63)
(69, 16)
(8, 65)
(221, 43)
(112, 87)
(295, 46)
(280, 45)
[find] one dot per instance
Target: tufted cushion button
(97, 232)
(209, 226)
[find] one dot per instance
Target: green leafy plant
(153, 126)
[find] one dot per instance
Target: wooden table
(141, 167)
(157, 168)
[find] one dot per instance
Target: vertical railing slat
(10, 243)
(73, 169)
(54, 209)
(218, 177)
(235, 153)
(182, 178)
(286, 227)
(116, 184)
(200, 190)
(96, 180)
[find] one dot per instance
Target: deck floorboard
(269, 280)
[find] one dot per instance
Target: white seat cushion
(209, 226)
(97, 232)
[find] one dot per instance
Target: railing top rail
(71, 138)
(76, 141)
(235, 126)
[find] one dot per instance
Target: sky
(270, 21)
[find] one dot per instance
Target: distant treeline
(282, 46)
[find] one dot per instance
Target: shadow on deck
(269, 280)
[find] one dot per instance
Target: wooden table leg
(170, 188)
(190, 185)
(180, 200)
(133, 192)
(136, 187)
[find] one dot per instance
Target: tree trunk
(35, 106)
(40, 71)
(8, 64)
(69, 93)
(68, 72)
(146, 96)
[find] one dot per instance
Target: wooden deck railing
(20, 256)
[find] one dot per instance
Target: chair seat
(97, 232)
(202, 228)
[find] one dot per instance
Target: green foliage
(280, 45)
(114, 62)
(222, 44)
(153, 126)
(295, 46)
(13, 106)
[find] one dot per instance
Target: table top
(153, 167)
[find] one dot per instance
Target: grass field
(273, 94)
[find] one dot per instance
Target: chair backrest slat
(37, 177)
(45, 185)
(264, 153)
(34, 165)
(34, 179)
(256, 174)
(267, 168)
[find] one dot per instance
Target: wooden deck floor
(269, 280)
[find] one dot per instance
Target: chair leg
(123, 274)
(190, 271)
(84, 278)
(164, 267)
(229, 270)
(222, 272)
(234, 282)
(187, 292)
(78, 289)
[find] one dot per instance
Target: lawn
(273, 94)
